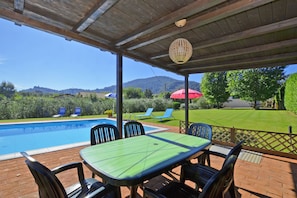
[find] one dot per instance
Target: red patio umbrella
(180, 94)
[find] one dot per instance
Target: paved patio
(272, 177)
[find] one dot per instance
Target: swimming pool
(39, 137)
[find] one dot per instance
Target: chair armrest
(215, 153)
(100, 192)
(77, 165)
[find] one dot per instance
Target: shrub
(176, 105)
(191, 106)
(202, 103)
(161, 104)
(291, 93)
(38, 106)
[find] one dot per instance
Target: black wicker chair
(49, 186)
(102, 133)
(200, 174)
(204, 131)
(216, 186)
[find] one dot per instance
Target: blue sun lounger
(62, 112)
(147, 114)
(167, 115)
(77, 112)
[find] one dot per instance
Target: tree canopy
(291, 93)
(148, 93)
(7, 89)
(255, 84)
(214, 88)
(131, 92)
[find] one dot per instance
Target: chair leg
(182, 176)
(232, 190)
(201, 159)
(118, 192)
(133, 191)
(183, 179)
(208, 159)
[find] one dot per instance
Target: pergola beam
(244, 63)
(21, 19)
(254, 49)
(170, 19)
(98, 10)
(266, 29)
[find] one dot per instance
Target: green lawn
(266, 120)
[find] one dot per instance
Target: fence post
(290, 135)
(182, 125)
(232, 134)
(180, 122)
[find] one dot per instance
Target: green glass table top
(133, 160)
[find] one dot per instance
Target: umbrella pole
(113, 106)
(186, 102)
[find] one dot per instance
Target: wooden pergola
(225, 34)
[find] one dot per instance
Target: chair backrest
(133, 128)
(168, 112)
(220, 182)
(48, 184)
(77, 110)
(234, 151)
(104, 133)
(62, 110)
(149, 111)
(201, 130)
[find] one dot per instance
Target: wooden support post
(232, 134)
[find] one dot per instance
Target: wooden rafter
(99, 9)
(246, 66)
(248, 61)
(170, 19)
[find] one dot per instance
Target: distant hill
(156, 84)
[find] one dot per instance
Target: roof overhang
(225, 34)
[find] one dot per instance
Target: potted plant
(109, 113)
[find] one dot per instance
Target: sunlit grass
(265, 120)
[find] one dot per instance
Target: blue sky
(30, 57)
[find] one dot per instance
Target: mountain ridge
(156, 84)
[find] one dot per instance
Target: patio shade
(180, 94)
(111, 95)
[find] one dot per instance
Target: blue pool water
(40, 135)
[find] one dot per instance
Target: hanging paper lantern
(180, 51)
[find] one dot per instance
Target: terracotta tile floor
(273, 177)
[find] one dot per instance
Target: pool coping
(66, 146)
